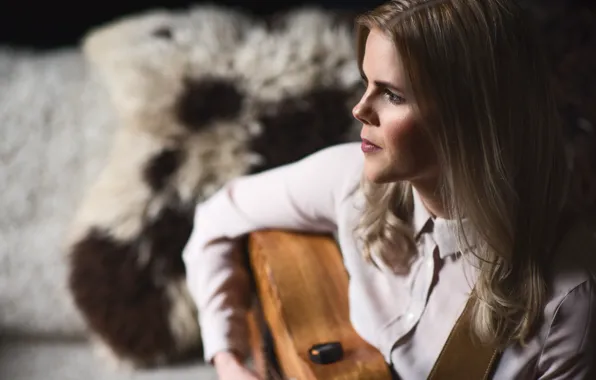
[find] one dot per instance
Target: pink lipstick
(368, 147)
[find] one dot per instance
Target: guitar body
(302, 292)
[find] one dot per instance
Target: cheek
(402, 134)
(410, 143)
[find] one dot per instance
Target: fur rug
(202, 97)
(56, 124)
(176, 104)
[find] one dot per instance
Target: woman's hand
(229, 367)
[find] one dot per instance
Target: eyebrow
(381, 83)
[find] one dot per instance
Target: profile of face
(395, 145)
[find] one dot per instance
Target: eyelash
(391, 97)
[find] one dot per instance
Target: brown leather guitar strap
(462, 357)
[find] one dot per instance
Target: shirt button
(430, 262)
(410, 317)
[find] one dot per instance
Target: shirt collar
(421, 218)
(443, 231)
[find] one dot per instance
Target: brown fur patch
(164, 33)
(168, 235)
(123, 298)
(160, 168)
(298, 126)
(207, 99)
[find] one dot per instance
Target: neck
(428, 190)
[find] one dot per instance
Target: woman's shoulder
(569, 328)
(574, 261)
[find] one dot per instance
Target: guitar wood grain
(302, 287)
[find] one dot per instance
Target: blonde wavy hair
(481, 86)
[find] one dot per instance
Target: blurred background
(58, 118)
(51, 24)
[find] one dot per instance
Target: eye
(393, 98)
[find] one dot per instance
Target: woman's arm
(569, 350)
(299, 196)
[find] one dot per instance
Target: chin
(379, 171)
(378, 176)
(382, 175)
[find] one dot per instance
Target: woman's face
(395, 146)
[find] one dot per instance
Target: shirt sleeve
(300, 196)
(568, 351)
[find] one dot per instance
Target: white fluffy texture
(144, 76)
(144, 73)
(58, 130)
(182, 319)
(56, 125)
(298, 57)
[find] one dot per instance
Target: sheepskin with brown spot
(203, 97)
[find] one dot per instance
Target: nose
(364, 113)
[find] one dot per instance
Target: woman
(461, 187)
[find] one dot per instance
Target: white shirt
(407, 317)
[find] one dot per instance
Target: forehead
(381, 59)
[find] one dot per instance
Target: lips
(369, 147)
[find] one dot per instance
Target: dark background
(50, 24)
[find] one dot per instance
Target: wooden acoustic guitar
(302, 300)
